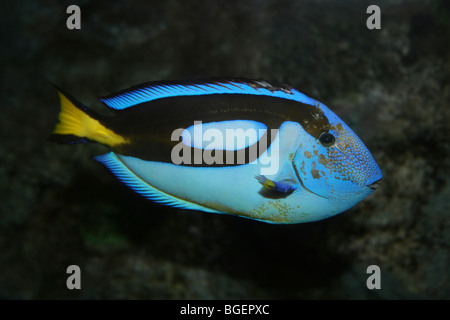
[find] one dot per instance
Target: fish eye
(327, 139)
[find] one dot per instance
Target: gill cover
(338, 170)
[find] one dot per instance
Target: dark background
(60, 207)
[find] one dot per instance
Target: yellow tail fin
(74, 121)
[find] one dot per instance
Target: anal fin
(127, 176)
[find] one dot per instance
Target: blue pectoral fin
(275, 189)
(127, 176)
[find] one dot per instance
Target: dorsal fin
(166, 89)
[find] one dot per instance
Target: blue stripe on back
(159, 90)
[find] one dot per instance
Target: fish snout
(375, 177)
(374, 185)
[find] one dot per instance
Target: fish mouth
(374, 185)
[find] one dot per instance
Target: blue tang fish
(237, 146)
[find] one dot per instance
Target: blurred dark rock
(59, 207)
